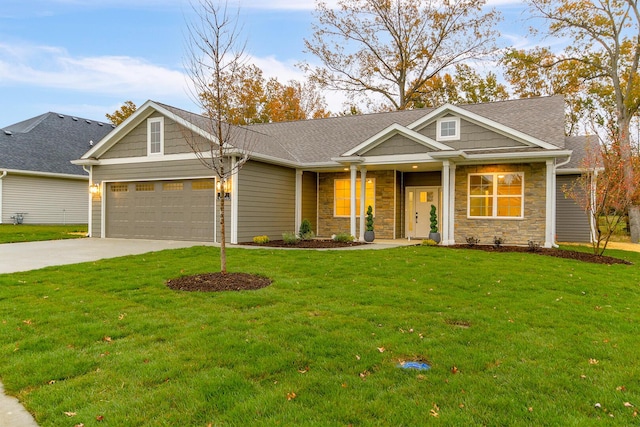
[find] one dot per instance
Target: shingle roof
(319, 140)
(47, 143)
(581, 146)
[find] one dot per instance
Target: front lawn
(513, 339)
(10, 233)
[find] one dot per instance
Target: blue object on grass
(421, 366)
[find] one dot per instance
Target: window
(342, 196)
(496, 195)
(146, 186)
(448, 129)
(202, 185)
(155, 135)
(172, 186)
(119, 188)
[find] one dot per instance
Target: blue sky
(86, 57)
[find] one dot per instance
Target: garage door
(167, 210)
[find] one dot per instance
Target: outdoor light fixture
(94, 189)
(227, 190)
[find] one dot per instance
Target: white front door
(417, 210)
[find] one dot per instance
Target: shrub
(289, 238)
(472, 241)
(429, 242)
(261, 240)
(369, 218)
(498, 241)
(533, 246)
(433, 219)
(343, 237)
(305, 231)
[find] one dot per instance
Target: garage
(165, 210)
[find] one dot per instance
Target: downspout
(4, 173)
(90, 207)
(555, 199)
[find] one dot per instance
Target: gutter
(4, 173)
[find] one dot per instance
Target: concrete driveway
(15, 257)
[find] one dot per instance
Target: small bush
(289, 238)
(261, 240)
(343, 237)
(305, 231)
(498, 241)
(429, 242)
(533, 246)
(472, 241)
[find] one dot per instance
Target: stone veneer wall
(384, 209)
(514, 231)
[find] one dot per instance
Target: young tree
(391, 48)
(605, 47)
(119, 116)
(215, 63)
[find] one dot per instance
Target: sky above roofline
(86, 57)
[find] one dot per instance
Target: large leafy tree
(603, 54)
(121, 114)
(258, 100)
(389, 49)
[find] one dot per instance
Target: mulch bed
(307, 244)
(216, 282)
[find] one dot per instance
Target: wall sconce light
(94, 189)
(227, 189)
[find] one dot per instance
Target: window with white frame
(342, 196)
(155, 135)
(496, 195)
(448, 129)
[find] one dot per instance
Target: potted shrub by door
(369, 234)
(434, 235)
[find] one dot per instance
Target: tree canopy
(120, 115)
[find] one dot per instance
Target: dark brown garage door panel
(178, 210)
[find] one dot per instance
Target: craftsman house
(489, 169)
(38, 184)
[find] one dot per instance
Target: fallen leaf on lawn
(291, 396)
(593, 361)
(121, 316)
(70, 414)
(454, 370)
(434, 413)
(100, 418)
(530, 409)
(27, 322)
(304, 371)
(628, 404)
(621, 388)
(381, 349)
(583, 376)
(357, 357)
(106, 339)
(461, 405)
(364, 374)
(344, 385)
(79, 425)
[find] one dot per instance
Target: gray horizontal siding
(266, 201)
(472, 136)
(398, 144)
(151, 170)
(572, 223)
(45, 200)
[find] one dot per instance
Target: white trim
(90, 196)
(549, 238)
(447, 119)
(445, 208)
(234, 178)
(352, 212)
(298, 206)
(481, 121)
(363, 200)
(495, 196)
(452, 204)
(150, 122)
(47, 174)
(103, 210)
(393, 130)
(215, 210)
(2, 175)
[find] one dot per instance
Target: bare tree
(215, 57)
(393, 47)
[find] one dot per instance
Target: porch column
(363, 200)
(446, 192)
(298, 209)
(354, 176)
(550, 206)
(452, 203)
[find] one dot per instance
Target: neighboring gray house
(37, 178)
(489, 169)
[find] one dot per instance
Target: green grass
(524, 332)
(10, 233)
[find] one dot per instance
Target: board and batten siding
(266, 201)
(572, 222)
(45, 200)
(472, 136)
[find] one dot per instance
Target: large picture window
(342, 196)
(496, 195)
